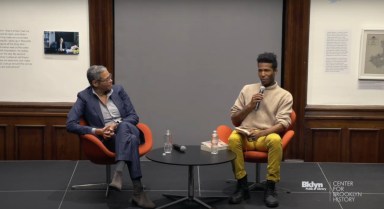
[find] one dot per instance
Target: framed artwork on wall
(372, 55)
(61, 42)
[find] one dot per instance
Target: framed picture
(372, 55)
(61, 42)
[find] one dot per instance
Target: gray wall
(183, 62)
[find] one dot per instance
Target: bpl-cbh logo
(313, 186)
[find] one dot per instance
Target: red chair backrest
(223, 132)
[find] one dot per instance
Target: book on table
(206, 145)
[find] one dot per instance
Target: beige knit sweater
(275, 107)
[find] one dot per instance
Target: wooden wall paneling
(101, 30)
(362, 131)
(3, 139)
(364, 145)
(294, 66)
(325, 145)
(29, 142)
(10, 151)
(381, 145)
(48, 141)
(29, 131)
(66, 146)
(345, 144)
(308, 156)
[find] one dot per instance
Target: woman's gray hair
(93, 73)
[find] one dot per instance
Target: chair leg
(257, 185)
(108, 178)
(98, 185)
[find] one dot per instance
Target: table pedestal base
(191, 197)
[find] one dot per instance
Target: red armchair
(258, 157)
(96, 152)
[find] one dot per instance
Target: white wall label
(337, 51)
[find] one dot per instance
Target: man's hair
(268, 57)
(93, 73)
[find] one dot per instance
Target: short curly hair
(268, 57)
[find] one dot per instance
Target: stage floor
(47, 185)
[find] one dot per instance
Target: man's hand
(277, 128)
(238, 117)
(255, 134)
(107, 132)
(256, 98)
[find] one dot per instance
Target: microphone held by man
(261, 91)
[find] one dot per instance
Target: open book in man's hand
(246, 132)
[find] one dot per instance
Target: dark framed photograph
(61, 42)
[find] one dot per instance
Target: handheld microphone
(261, 91)
(179, 148)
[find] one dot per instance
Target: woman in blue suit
(110, 116)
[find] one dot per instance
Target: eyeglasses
(106, 79)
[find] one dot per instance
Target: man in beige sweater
(265, 114)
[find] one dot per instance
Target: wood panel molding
(362, 133)
(347, 112)
(3, 138)
(324, 145)
(29, 131)
(364, 143)
(30, 142)
(65, 145)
